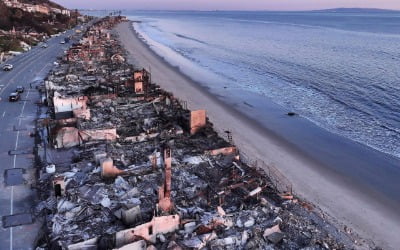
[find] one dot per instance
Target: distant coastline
(333, 10)
(356, 10)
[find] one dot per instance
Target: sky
(228, 4)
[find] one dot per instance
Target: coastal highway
(17, 197)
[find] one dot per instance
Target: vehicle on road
(14, 97)
(20, 89)
(62, 42)
(8, 67)
(44, 45)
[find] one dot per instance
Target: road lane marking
(16, 143)
(24, 56)
(12, 194)
(45, 66)
(31, 61)
(23, 108)
(11, 232)
(14, 162)
(21, 70)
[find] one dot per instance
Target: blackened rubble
(125, 166)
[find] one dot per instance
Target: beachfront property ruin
(123, 164)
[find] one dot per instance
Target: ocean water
(339, 70)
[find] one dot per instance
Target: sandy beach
(370, 214)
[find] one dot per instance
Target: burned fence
(278, 180)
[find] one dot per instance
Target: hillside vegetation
(43, 2)
(31, 27)
(33, 22)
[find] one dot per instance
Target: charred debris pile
(124, 165)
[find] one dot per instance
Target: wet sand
(353, 183)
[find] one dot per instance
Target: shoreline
(307, 176)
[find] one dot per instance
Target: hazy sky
(229, 4)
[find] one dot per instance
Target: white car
(8, 67)
(44, 46)
(62, 42)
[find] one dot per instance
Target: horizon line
(267, 10)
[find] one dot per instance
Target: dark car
(19, 89)
(13, 97)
